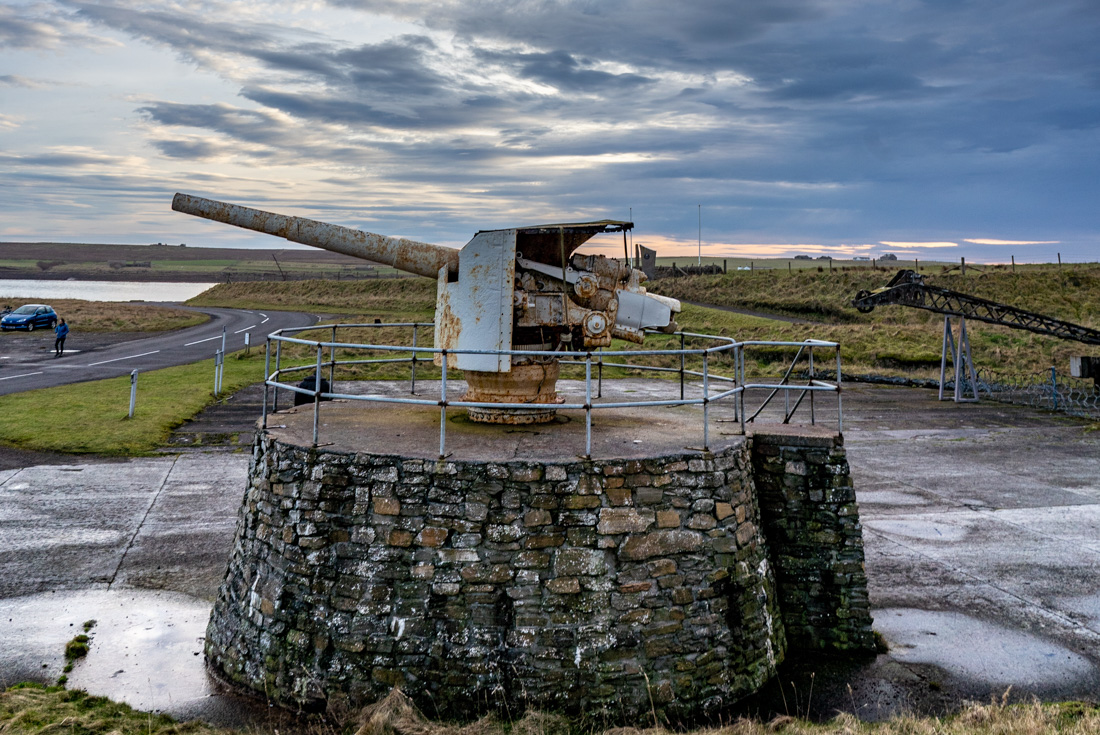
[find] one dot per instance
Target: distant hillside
(96, 261)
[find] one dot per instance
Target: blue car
(30, 317)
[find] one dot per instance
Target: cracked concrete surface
(982, 531)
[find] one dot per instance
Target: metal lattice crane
(908, 288)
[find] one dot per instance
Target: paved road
(33, 365)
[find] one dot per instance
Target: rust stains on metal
(532, 383)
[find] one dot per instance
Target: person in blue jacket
(61, 331)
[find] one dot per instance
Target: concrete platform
(981, 526)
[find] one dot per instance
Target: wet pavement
(982, 531)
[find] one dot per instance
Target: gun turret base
(532, 383)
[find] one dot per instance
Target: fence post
(588, 406)
(1054, 386)
(443, 408)
(267, 375)
(681, 364)
(412, 386)
(217, 373)
(133, 391)
(317, 394)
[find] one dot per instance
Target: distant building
(887, 256)
(802, 257)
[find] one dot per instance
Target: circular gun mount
(503, 289)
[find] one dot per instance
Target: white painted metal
(639, 311)
(475, 312)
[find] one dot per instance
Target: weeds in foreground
(32, 708)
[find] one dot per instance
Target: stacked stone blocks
(811, 520)
(610, 587)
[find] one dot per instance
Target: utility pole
(700, 260)
(632, 250)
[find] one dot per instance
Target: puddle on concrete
(891, 498)
(146, 651)
(985, 653)
(927, 529)
(1085, 606)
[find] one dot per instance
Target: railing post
(681, 365)
(443, 410)
(412, 387)
(706, 401)
(317, 395)
(267, 374)
(332, 359)
(278, 375)
(787, 390)
(812, 422)
(588, 406)
(599, 375)
(839, 391)
(740, 370)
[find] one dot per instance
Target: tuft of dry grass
(28, 708)
(31, 708)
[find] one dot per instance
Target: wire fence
(1046, 389)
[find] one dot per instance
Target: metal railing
(725, 354)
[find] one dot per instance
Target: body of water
(15, 288)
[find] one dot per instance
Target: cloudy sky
(935, 128)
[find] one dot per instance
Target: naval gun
(520, 289)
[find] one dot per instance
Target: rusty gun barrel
(421, 258)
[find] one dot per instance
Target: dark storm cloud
(190, 150)
(253, 126)
(57, 159)
(682, 35)
(819, 119)
(394, 67)
(39, 26)
(186, 33)
(563, 70)
(336, 109)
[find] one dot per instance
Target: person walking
(61, 331)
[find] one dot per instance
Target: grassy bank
(892, 340)
(388, 299)
(1071, 293)
(902, 341)
(102, 261)
(92, 417)
(108, 316)
(32, 709)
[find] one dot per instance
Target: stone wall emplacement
(607, 587)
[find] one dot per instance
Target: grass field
(91, 417)
(891, 341)
(95, 261)
(105, 316)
